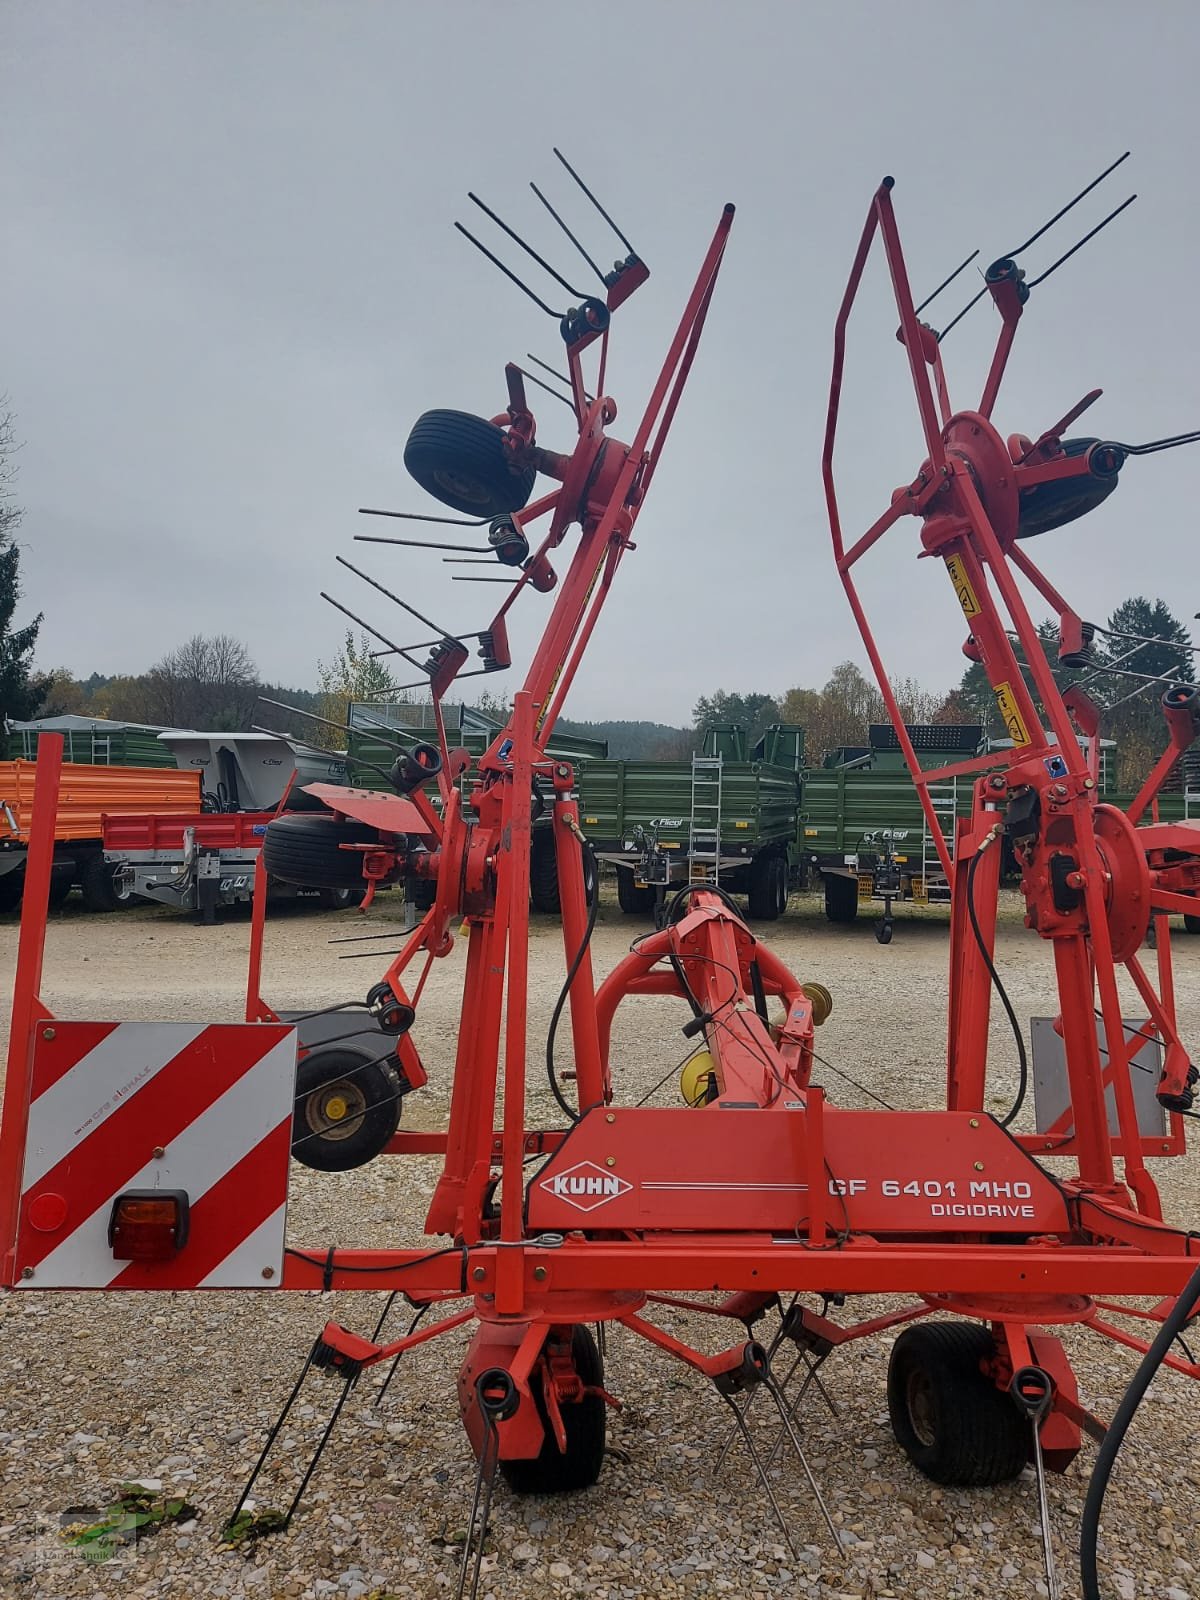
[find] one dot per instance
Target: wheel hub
(336, 1110)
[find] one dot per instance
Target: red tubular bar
(697, 1262)
(27, 1009)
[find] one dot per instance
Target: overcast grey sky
(231, 283)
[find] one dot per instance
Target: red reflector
(148, 1224)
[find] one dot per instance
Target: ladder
(943, 797)
(704, 834)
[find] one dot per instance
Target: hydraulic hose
(1013, 1111)
(564, 1104)
(1089, 1528)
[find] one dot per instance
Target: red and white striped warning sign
(157, 1105)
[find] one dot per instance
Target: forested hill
(635, 741)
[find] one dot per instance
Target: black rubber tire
(883, 933)
(306, 850)
(11, 886)
(99, 890)
(950, 1420)
(636, 900)
(768, 896)
(372, 1091)
(423, 893)
(1050, 505)
(585, 1422)
(341, 899)
(841, 898)
(1191, 924)
(543, 873)
(463, 461)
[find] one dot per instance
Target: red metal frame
(764, 1188)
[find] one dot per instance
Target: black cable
(1089, 1529)
(403, 1266)
(1011, 1115)
(861, 1087)
(564, 1104)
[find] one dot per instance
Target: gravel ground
(99, 1389)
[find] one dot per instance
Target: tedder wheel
(307, 850)
(98, 881)
(463, 461)
(1192, 924)
(841, 898)
(768, 897)
(347, 1108)
(635, 899)
(584, 1421)
(949, 1418)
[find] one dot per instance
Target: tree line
(1141, 649)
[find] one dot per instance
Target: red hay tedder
(156, 1155)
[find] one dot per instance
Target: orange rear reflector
(148, 1224)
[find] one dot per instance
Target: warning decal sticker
(1014, 722)
(962, 586)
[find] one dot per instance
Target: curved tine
(419, 516)
(745, 1410)
(1033, 237)
(1067, 254)
(528, 248)
(811, 1377)
(524, 287)
(772, 1389)
(945, 284)
(740, 1425)
(485, 1477)
(421, 544)
(568, 232)
(594, 201)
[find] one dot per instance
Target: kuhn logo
(585, 1186)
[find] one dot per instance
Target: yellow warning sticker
(1014, 722)
(962, 586)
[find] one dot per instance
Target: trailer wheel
(841, 898)
(768, 897)
(949, 1418)
(306, 849)
(544, 894)
(543, 873)
(1192, 924)
(464, 462)
(633, 898)
(347, 1108)
(11, 885)
(97, 880)
(585, 1423)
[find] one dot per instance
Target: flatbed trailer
(199, 861)
(88, 794)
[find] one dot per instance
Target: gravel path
(97, 1389)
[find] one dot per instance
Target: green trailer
(726, 815)
(91, 742)
(864, 832)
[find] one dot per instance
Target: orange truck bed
(88, 794)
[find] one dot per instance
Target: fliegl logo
(585, 1186)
